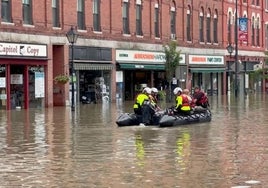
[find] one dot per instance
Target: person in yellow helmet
(143, 107)
(182, 102)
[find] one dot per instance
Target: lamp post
(72, 38)
(230, 49)
(236, 50)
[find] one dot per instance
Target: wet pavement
(55, 147)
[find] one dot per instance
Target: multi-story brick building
(120, 46)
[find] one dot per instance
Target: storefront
(136, 69)
(207, 73)
(22, 75)
(93, 68)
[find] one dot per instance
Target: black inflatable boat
(198, 116)
(130, 119)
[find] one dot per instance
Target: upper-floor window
(252, 31)
(125, 16)
(229, 26)
(173, 21)
(253, 2)
(257, 2)
(6, 10)
(55, 13)
(156, 21)
(209, 26)
(215, 27)
(138, 18)
(27, 11)
(188, 24)
(244, 1)
(81, 14)
(201, 25)
(266, 36)
(258, 31)
(96, 15)
(266, 4)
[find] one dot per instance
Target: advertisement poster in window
(39, 85)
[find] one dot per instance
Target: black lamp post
(236, 50)
(72, 38)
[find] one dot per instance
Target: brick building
(120, 47)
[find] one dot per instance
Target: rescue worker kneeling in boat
(183, 105)
(144, 107)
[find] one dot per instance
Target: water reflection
(55, 147)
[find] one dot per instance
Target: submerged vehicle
(166, 118)
(198, 116)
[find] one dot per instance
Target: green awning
(208, 70)
(141, 66)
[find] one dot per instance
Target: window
(201, 25)
(244, 1)
(229, 28)
(125, 14)
(257, 2)
(156, 21)
(252, 2)
(252, 32)
(138, 18)
(215, 27)
(266, 37)
(6, 11)
(27, 11)
(258, 32)
(188, 24)
(81, 14)
(96, 15)
(209, 26)
(55, 13)
(266, 4)
(173, 21)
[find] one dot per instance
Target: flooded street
(58, 148)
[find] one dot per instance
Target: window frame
(6, 11)
(125, 17)
(55, 13)
(139, 19)
(27, 12)
(96, 15)
(81, 15)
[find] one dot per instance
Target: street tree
(172, 62)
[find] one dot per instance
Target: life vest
(182, 103)
(141, 98)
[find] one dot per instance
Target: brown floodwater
(55, 147)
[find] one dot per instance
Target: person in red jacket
(200, 98)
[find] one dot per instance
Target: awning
(88, 66)
(208, 69)
(142, 66)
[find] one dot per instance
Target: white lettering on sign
(30, 50)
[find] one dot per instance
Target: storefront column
(26, 86)
(8, 87)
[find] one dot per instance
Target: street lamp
(230, 49)
(72, 38)
(236, 50)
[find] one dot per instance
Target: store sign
(206, 60)
(17, 49)
(143, 56)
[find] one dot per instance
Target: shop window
(81, 14)
(3, 94)
(27, 12)
(6, 10)
(55, 13)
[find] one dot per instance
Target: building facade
(120, 47)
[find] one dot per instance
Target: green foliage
(172, 58)
(61, 79)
